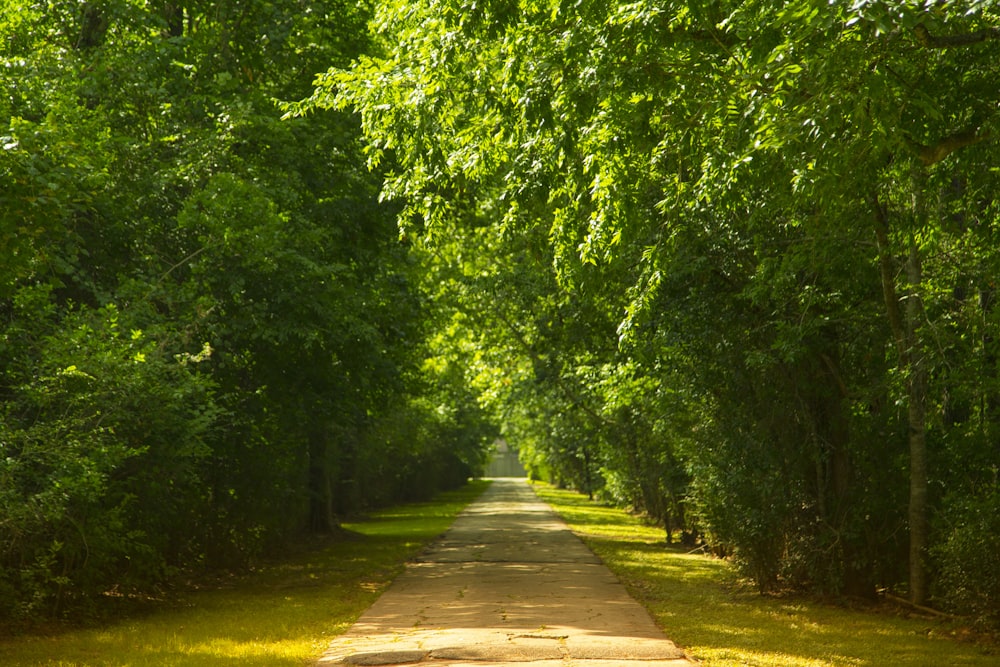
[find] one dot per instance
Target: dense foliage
(733, 263)
(211, 338)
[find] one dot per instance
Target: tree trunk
(93, 27)
(173, 16)
(905, 331)
(917, 412)
(322, 517)
(832, 435)
(917, 381)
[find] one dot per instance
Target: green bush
(740, 503)
(101, 442)
(969, 559)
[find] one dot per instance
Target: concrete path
(508, 584)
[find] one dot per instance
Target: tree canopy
(743, 251)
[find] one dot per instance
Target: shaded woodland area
(730, 263)
(212, 340)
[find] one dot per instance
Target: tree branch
(568, 392)
(929, 41)
(888, 280)
(933, 154)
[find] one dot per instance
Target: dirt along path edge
(507, 584)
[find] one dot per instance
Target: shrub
(969, 559)
(100, 446)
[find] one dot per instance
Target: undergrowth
(283, 614)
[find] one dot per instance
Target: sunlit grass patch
(284, 614)
(702, 606)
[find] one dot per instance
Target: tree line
(732, 263)
(212, 340)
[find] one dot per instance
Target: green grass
(285, 613)
(703, 607)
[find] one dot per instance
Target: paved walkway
(508, 584)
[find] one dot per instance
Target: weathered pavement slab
(508, 584)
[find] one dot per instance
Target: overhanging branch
(935, 153)
(929, 41)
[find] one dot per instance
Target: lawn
(703, 606)
(284, 613)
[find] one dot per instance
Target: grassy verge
(284, 614)
(701, 605)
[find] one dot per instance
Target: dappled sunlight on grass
(284, 614)
(227, 648)
(766, 659)
(704, 608)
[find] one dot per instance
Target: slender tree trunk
(93, 26)
(322, 518)
(905, 330)
(832, 436)
(917, 381)
(586, 472)
(917, 413)
(173, 15)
